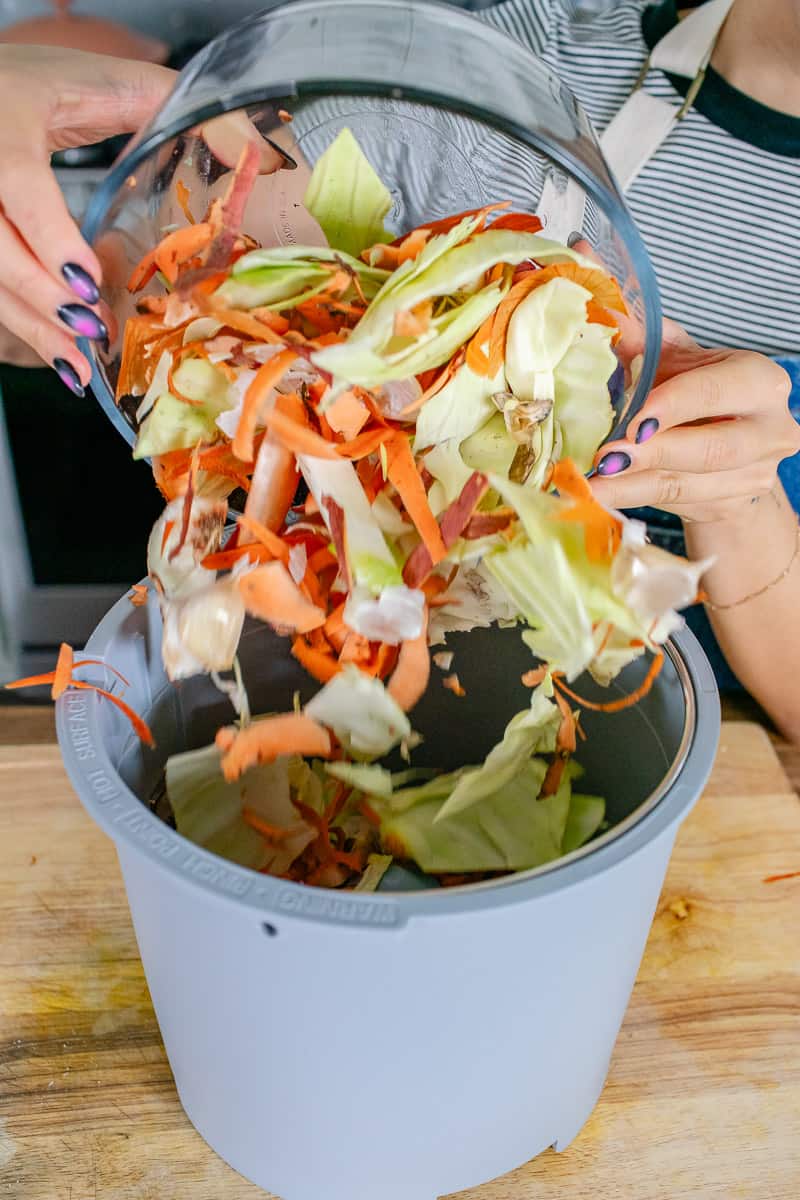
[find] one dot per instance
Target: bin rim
(80, 716)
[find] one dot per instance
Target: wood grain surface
(703, 1099)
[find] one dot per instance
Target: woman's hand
(709, 438)
(50, 100)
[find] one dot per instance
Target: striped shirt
(717, 205)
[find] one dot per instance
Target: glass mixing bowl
(452, 114)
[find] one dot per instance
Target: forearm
(760, 637)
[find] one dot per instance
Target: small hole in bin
(269, 929)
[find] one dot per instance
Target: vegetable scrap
(440, 395)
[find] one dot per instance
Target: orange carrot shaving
(602, 530)
(553, 776)
(403, 474)
(322, 666)
(385, 660)
(223, 560)
(477, 358)
(266, 537)
(273, 833)
(143, 272)
(140, 727)
(272, 320)
(182, 196)
(597, 315)
(453, 684)
(135, 364)
(502, 317)
(270, 593)
(138, 595)
(298, 438)
(413, 322)
(321, 559)
(347, 415)
(605, 291)
(433, 587)
(264, 741)
(266, 379)
(61, 681)
(410, 679)
(534, 677)
(180, 246)
(447, 223)
(390, 257)
(520, 222)
(566, 739)
(613, 706)
(62, 676)
(335, 629)
(364, 444)
(168, 528)
(246, 323)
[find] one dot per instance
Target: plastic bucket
(346, 1047)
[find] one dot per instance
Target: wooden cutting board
(703, 1099)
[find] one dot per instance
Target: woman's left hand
(709, 438)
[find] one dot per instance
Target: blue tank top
(665, 530)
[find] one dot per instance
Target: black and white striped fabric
(718, 204)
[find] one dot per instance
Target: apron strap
(644, 121)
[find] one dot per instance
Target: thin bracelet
(767, 586)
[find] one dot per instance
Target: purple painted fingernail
(81, 282)
(613, 463)
(83, 321)
(646, 430)
(69, 376)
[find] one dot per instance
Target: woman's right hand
(50, 100)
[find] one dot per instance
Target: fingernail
(81, 282)
(613, 463)
(69, 376)
(573, 238)
(646, 430)
(83, 321)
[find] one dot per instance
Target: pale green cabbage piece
(510, 830)
(362, 714)
(491, 448)
(278, 286)
(461, 407)
(347, 198)
(447, 266)
(208, 811)
(555, 587)
(450, 474)
(586, 815)
(370, 558)
(368, 778)
(542, 328)
(376, 868)
(532, 731)
(583, 406)
(172, 424)
(363, 362)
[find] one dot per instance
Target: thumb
(109, 96)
